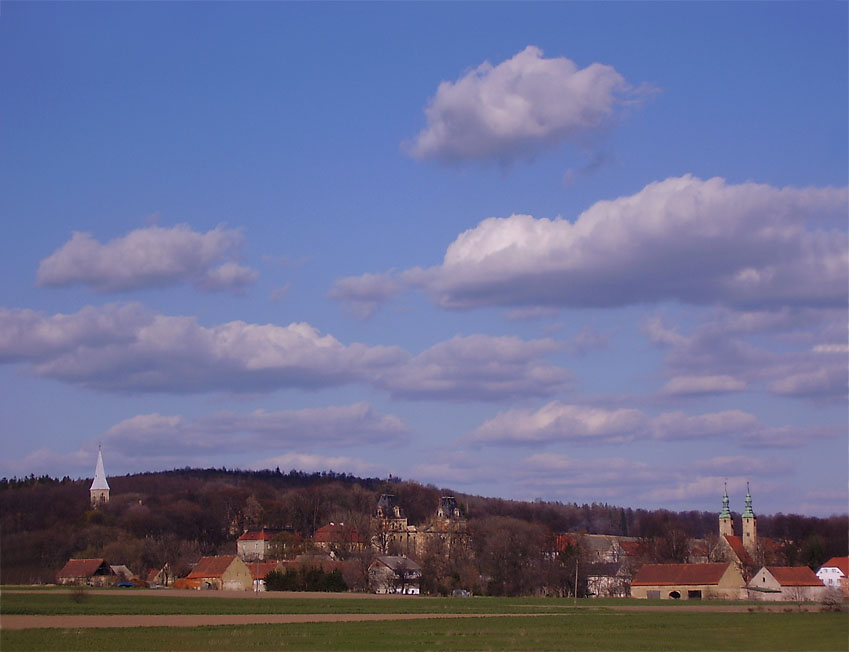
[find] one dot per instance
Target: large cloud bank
(124, 347)
(518, 107)
(150, 257)
(684, 239)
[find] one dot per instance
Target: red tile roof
(259, 569)
(83, 568)
(794, 576)
(838, 562)
(739, 549)
(337, 533)
(211, 567)
(633, 548)
(679, 574)
(258, 535)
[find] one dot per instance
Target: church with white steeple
(99, 489)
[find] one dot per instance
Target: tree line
(176, 517)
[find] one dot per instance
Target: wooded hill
(178, 516)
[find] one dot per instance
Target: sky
(563, 251)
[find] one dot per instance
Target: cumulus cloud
(559, 422)
(147, 435)
(363, 295)
(699, 242)
(150, 257)
(126, 348)
(477, 367)
(519, 107)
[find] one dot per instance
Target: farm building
(688, 582)
(93, 572)
(226, 573)
(786, 583)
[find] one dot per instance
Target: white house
(835, 574)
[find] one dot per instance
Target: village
(388, 555)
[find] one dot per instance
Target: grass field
(603, 626)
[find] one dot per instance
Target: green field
(592, 626)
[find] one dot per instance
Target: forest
(177, 516)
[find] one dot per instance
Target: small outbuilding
(786, 583)
(91, 572)
(689, 582)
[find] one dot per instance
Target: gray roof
(99, 475)
(397, 563)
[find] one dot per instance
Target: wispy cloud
(769, 350)
(558, 422)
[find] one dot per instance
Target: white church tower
(99, 487)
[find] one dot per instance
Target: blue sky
(590, 252)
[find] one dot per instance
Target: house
(835, 574)
(160, 576)
(783, 583)
(338, 539)
(226, 573)
(394, 574)
(123, 573)
(255, 545)
(259, 569)
(92, 572)
(608, 579)
(688, 582)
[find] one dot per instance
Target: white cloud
(126, 348)
(153, 435)
(688, 385)
(519, 107)
(698, 242)
(558, 422)
(153, 256)
(477, 367)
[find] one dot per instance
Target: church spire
(726, 523)
(750, 526)
(748, 513)
(99, 490)
(726, 510)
